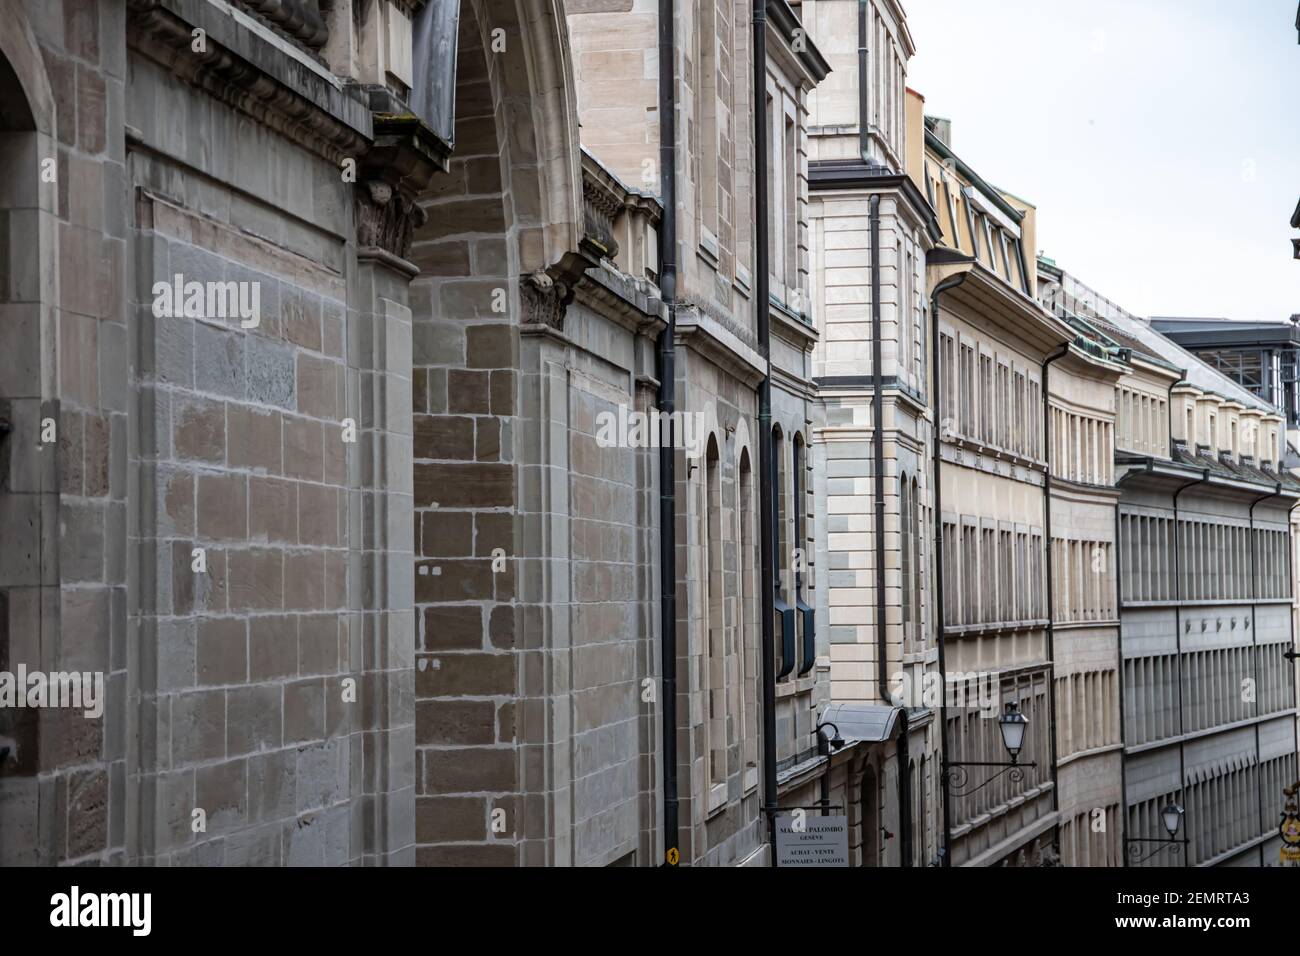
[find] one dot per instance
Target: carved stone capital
(544, 299)
(385, 218)
(403, 161)
(546, 293)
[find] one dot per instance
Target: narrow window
(716, 689)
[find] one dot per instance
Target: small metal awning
(874, 723)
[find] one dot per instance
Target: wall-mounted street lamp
(1172, 817)
(825, 745)
(1012, 724)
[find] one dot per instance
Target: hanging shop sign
(812, 841)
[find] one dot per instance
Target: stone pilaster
(381, 511)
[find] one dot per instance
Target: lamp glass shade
(1172, 815)
(1013, 724)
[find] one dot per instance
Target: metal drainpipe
(882, 669)
(882, 643)
(1050, 587)
(1254, 636)
(1178, 643)
(767, 466)
(936, 495)
(878, 441)
(667, 381)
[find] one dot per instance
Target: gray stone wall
(63, 487)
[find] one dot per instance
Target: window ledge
(717, 798)
(967, 630)
(792, 686)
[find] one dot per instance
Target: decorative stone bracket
(546, 293)
(405, 157)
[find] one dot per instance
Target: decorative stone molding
(299, 20)
(602, 201)
(336, 126)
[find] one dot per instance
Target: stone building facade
(1206, 588)
(330, 553)
(718, 367)
(368, 580)
(333, 336)
(872, 229)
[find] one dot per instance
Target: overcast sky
(1159, 139)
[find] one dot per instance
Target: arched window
(783, 626)
(803, 612)
(715, 637)
(918, 564)
(746, 642)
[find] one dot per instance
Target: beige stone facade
(331, 337)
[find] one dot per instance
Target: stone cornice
(249, 73)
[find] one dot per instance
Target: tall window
(706, 112)
(791, 206)
(904, 315)
(948, 382)
(801, 545)
(952, 583)
(773, 237)
(987, 427)
(918, 563)
(967, 381)
(905, 533)
(716, 646)
(781, 542)
(748, 594)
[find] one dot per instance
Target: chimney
(941, 128)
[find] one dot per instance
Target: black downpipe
(1047, 545)
(878, 423)
(882, 637)
(666, 362)
(936, 495)
(1178, 644)
(767, 465)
